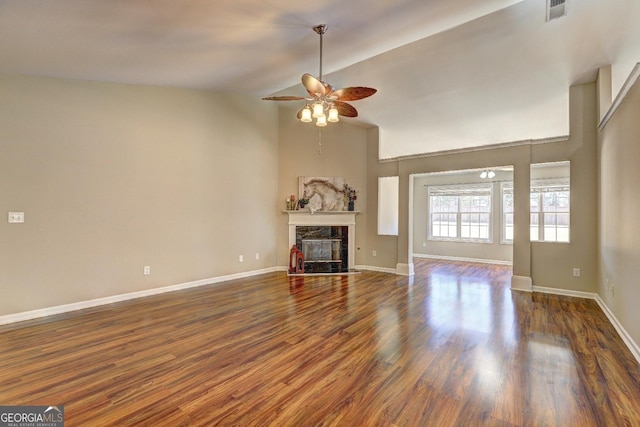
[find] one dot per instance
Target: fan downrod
(320, 30)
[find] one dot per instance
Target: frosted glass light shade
(333, 115)
(318, 110)
(322, 121)
(306, 115)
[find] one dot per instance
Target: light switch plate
(16, 217)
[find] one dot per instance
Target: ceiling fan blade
(353, 93)
(345, 109)
(283, 98)
(313, 85)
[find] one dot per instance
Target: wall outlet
(147, 270)
(257, 255)
(16, 217)
(241, 258)
(576, 272)
(424, 244)
(374, 253)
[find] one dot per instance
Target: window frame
(542, 186)
(550, 186)
(485, 189)
(505, 186)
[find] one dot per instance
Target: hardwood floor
(452, 347)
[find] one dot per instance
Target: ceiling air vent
(556, 9)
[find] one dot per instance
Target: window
(507, 212)
(549, 211)
(460, 213)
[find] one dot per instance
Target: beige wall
(552, 263)
(386, 247)
(115, 177)
(619, 213)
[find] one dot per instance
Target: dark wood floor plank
(452, 346)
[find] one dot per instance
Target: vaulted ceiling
(450, 74)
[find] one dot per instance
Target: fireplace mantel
(325, 218)
(305, 217)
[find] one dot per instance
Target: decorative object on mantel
(325, 103)
(322, 193)
(351, 195)
(292, 204)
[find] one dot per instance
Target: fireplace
(325, 248)
(326, 239)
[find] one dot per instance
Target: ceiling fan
(325, 103)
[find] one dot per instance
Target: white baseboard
(631, 344)
(521, 283)
(564, 292)
(49, 311)
(462, 259)
(378, 269)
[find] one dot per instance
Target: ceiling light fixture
(487, 174)
(325, 104)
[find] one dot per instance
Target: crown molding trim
(622, 94)
(562, 138)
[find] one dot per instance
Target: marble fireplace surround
(326, 218)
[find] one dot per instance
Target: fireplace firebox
(325, 248)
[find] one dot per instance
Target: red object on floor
(296, 260)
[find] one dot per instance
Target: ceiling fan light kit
(324, 103)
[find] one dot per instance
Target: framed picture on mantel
(324, 193)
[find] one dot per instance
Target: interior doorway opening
(462, 215)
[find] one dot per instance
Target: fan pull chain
(319, 142)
